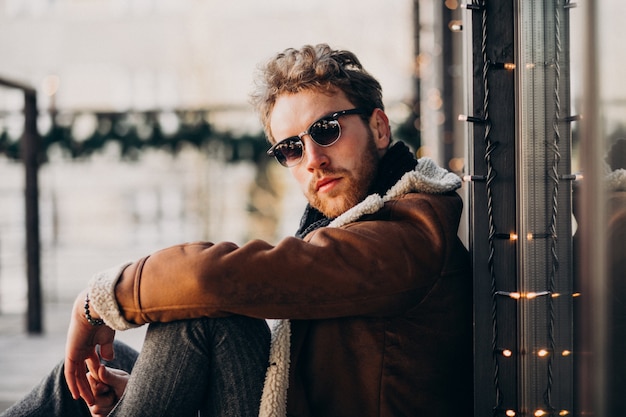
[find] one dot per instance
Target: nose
(315, 156)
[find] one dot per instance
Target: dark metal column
(492, 208)
(30, 157)
(520, 208)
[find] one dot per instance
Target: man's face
(337, 177)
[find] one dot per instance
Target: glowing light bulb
(513, 236)
(542, 353)
(507, 353)
(566, 353)
(455, 25)
(563, 413)
(515, 295)
(510, 413)
(540, 413)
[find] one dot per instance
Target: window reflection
(598, 89)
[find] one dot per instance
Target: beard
(358, 184)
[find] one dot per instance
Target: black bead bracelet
(91, 320)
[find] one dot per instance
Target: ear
(379, 125)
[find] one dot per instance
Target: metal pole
(592, 372)
(30, 157)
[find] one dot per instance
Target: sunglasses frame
(297, 139)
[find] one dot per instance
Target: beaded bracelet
(92, 321)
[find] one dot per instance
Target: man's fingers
(93, 369)
(69, 378)
(109, 375)
(77, 382)
(98, 387)
(107, 352)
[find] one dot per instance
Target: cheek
(301, 177)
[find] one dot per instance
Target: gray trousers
(206, 367)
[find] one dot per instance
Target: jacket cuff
(102, 297)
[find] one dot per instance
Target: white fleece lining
(102, 297)
(616, 180)
(274, 398)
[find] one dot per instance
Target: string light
(528, 295)
(468, 178)
(566, 352)
(514, 295)
(542, 353)
(540, 413)
(572, 177)
(534, 236)
(471, 6)
(563, 413)
(573, 118)
(455, 26)
(471, 119)
(532, 295)
(510, 413)
(509, 66)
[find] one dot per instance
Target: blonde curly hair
(317, 68)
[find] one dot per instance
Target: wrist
(91, 315)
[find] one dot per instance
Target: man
(375, 288)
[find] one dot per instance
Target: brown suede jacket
(380, 308)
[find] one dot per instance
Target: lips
(325, 184)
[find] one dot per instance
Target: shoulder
(446, 205)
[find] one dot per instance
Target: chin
(334, 208)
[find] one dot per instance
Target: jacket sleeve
(379, 266)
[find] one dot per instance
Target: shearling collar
(398, 161)
(616, 180)
(427, 177)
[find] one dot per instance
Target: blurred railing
(29, 154)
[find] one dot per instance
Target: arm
(375, 267)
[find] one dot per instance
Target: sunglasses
(325, 132)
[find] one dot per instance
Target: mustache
(325, 172)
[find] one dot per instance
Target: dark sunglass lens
(324, 132)
(288, 152)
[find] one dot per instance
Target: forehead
(293, 113)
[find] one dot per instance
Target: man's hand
(107, 387)
(80, 350)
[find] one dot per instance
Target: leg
(216, 366)
(52, 397)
